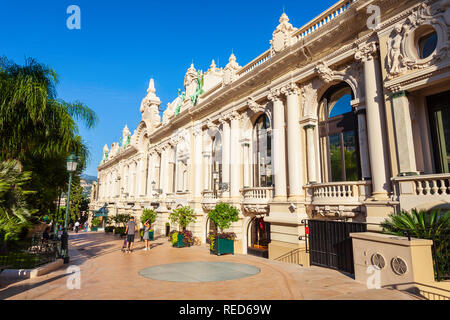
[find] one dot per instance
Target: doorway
(259, 238)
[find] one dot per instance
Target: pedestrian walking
(147, 235)
(77, 226)
(130, 231)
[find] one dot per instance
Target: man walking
(130, 231)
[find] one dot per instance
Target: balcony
(422, 192)
(209, 200)
(256, 200)
(342, 199)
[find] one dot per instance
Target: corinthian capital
(367, 51)
(290, 89)
(274, 95)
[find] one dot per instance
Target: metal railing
(40, 252)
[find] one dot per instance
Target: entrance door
(259, 236)
(439, 110)
(330, 244)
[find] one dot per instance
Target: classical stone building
(347, 117)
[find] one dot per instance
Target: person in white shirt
(77, 226)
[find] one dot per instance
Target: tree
(148, 214)
(121, 218)
(183, 216)
(14, 211)
(223, 215)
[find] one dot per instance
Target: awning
(102, 212)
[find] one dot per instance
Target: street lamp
(71, 168)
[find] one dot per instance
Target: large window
(216, 161)
(439, 108)
(262, 148)
(338, 136)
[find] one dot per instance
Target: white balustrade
(351, 192)
(323, 19)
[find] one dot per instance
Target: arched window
(262, 149)
(339, 136)
(216, 161)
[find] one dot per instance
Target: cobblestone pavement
(107, 273)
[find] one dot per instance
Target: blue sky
(122, 44)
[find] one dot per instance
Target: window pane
(341, 106)
(351, 164)
(427, 45)
(335, 158)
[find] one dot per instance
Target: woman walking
(146, 235)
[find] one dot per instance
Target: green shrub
(95, 222)
(109, 229)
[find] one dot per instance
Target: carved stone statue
(126, 136)
(395, 56)
(190, 81)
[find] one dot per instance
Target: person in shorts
(130, 231)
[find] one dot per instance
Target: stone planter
(223, 246)
(95, 229)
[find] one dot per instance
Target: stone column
(247, 169)
(198, 162)
(311, 153)
(404, 134)
(279, 144)
(225, 154)
(163, 176)
(235, 149)
(151, 175)
(363, 145)
(143, 175)
(374, 98)
(295, 165)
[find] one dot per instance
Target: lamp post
(71, 167)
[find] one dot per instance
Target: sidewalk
(107, 273)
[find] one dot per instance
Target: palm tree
(33, 121)
(421, 224)
(14, 211)
(39, 130)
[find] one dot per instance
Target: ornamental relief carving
(402, 55)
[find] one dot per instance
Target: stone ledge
(392, 239)
(32, 273)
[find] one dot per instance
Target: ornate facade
(338, 119)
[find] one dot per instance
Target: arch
(313, 92)
(338, 135)
(142, 137)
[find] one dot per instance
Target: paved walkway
(107, 273)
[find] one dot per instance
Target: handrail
(323, 18)
(254, 63)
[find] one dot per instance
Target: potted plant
(223, 215)
(95, 223)
(150, 215)
(182, 216)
